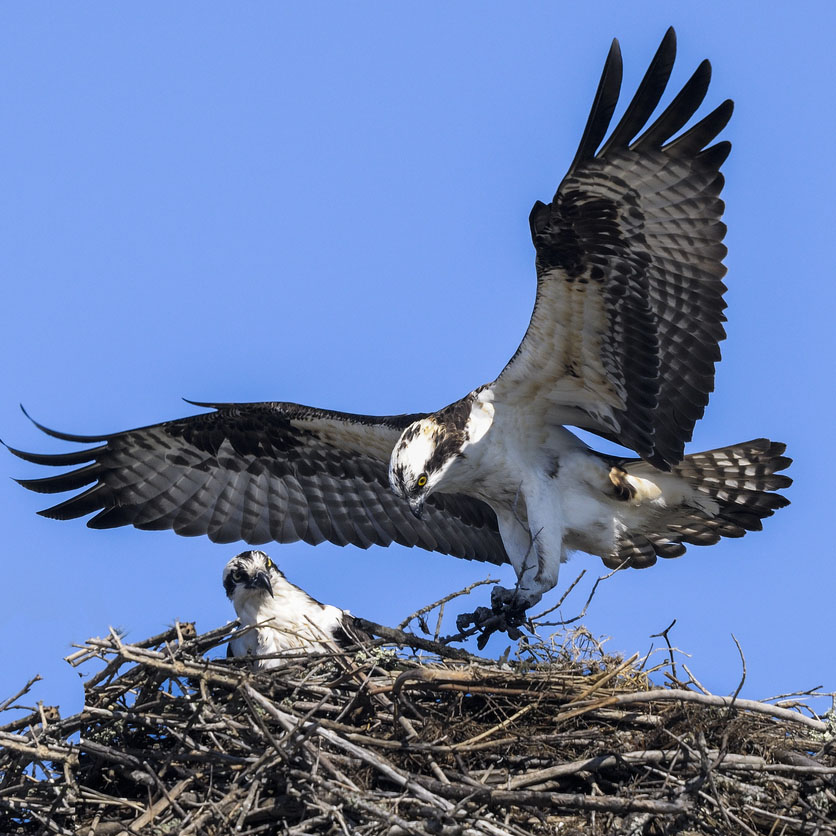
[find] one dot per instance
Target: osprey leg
(535, 553)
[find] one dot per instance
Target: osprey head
(250, 574)
(421, 459)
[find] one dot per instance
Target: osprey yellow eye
(422, 480)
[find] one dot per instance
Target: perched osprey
(622, 342)
(280, 615)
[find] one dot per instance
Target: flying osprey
(280, 616)
(622, 342)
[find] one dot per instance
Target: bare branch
(664, 635)
(447, 598)
(378, 742)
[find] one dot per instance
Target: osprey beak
(417, 507)
(262, 582)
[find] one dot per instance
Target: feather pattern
(737, 483)
(629, 310)
(261, 472)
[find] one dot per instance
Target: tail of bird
(733, 490)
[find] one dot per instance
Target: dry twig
(378, 742)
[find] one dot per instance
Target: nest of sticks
(407, 735)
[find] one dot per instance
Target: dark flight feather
(261, 472)
(628, 318)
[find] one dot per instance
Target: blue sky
(328, 203)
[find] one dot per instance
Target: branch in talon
(507, 619)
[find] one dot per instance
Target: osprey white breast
(276, 615)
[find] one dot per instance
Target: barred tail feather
(738, 483)
(741, 479)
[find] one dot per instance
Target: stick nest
(562, 738)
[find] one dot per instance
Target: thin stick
(498, 727)
(712, 699)
(411, 640)
(444, 600)
(743, 675)
(582, 613)
(664, 635)
(559, 604)
(24, 690)
(558, 800)
(603, 680)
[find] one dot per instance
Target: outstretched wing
(261, 472)
(629, 310)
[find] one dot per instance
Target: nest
(408, 736)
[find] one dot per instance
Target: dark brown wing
(261, 472)
(628, 317)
